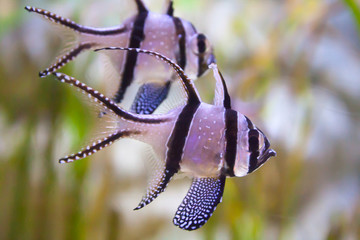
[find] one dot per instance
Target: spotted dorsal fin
(222, 97)
(187, 83)
(170, 8)
(141, 6)
(199, 203)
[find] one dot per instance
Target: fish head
(199, 52)
(202, 51)
(253, 149)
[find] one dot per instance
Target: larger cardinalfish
(164, 33)
(208, 142)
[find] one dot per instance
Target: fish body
(171, 36)
(208, 141)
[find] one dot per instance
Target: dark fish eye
(200, 44)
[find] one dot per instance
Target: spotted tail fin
(83, 38)
(199, 203)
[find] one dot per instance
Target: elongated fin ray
(156, 169)
(77, 32)
(187, 83)
(67, 57)
(157, 187)
(108, 103)
(97, 146)
(199, 203)
(149, 97)
(74, 26)
(222, 97)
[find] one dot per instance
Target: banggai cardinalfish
(141, 84)
(207, 141)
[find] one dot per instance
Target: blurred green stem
(355, 10)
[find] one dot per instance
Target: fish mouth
(211, 59)
(266, 155)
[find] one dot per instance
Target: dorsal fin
(141, 6)
(188, 84)
(222, 97)
(170, 8)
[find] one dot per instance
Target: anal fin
(199, 203)
(160, 177)
(149, 97)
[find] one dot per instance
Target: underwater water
(292, 66)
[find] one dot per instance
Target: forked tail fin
(83, 38)
(108, 104)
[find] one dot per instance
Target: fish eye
(200, 44)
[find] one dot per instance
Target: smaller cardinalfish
(164, 33)
(208, 142)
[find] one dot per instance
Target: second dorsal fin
(170, 8)
(222, 97)
(141, 6)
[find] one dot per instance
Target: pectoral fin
(199, 203)
(149, 97)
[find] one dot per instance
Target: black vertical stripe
(181, 35)
(137, 36)
(253, 138)
(231, 133)
(201, 45)
(177, 140)
(249, 123)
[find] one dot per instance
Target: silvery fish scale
(209, 142)
(142, 84)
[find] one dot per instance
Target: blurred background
(292, 66)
